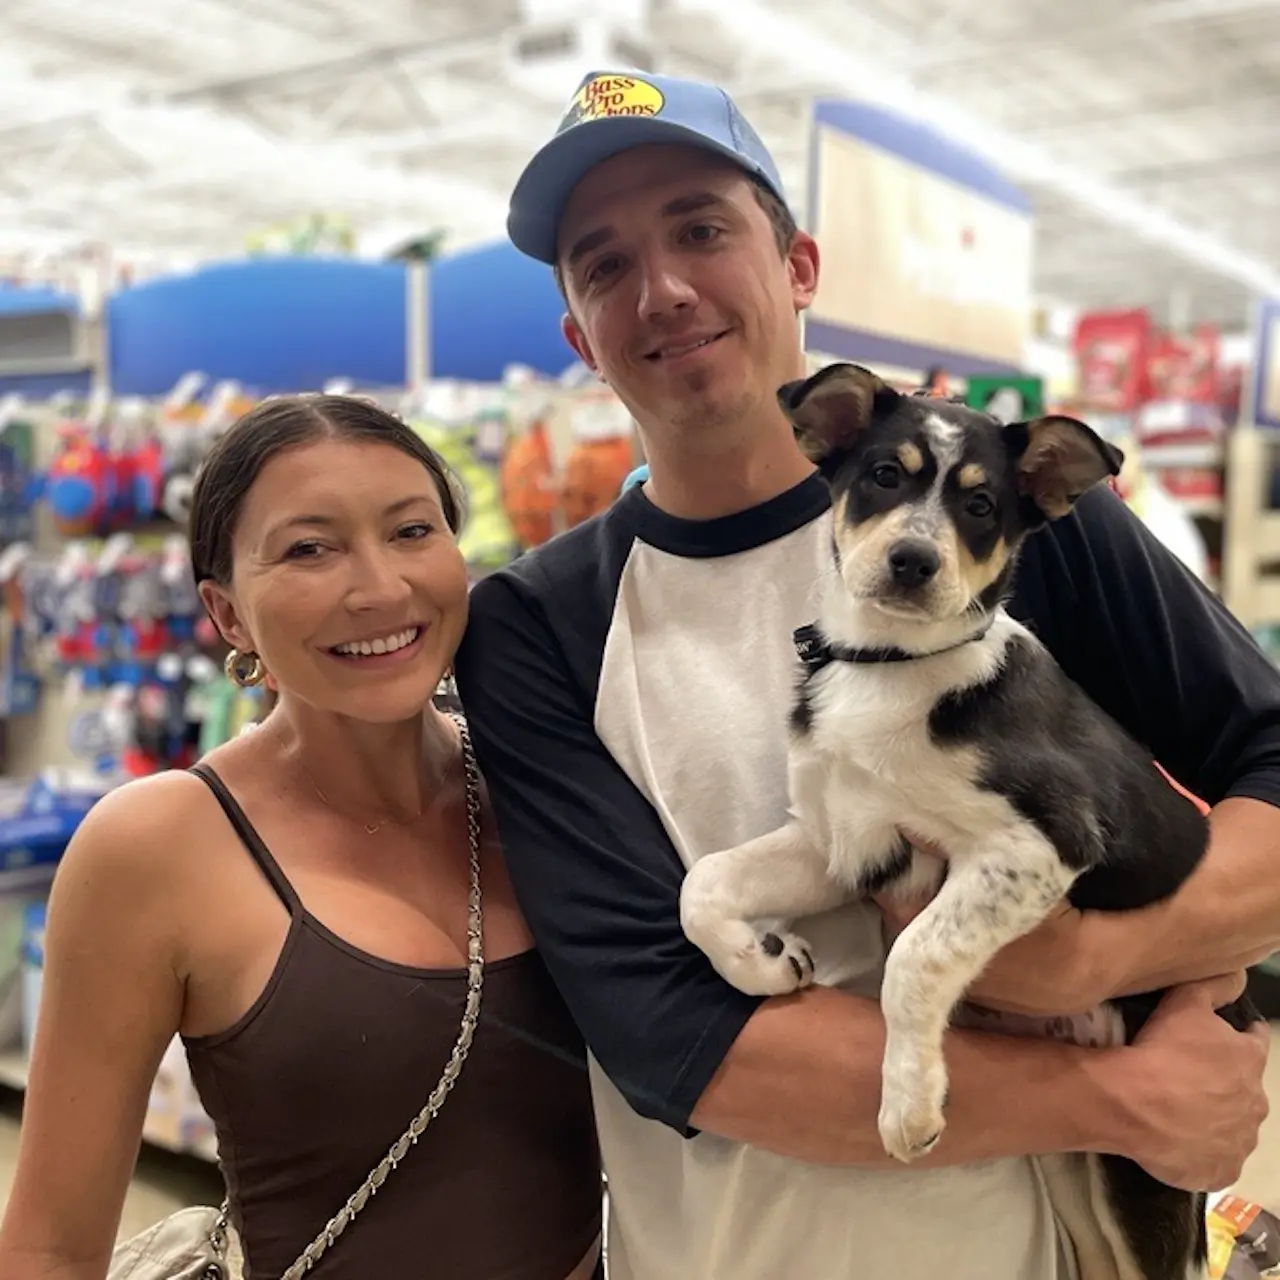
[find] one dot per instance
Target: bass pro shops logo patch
(602, 97)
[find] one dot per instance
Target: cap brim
(549, 179)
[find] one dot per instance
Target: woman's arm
(111, 1003)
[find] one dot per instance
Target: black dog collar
(816, 651)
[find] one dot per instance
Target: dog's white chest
(876, 725)
(871, 761)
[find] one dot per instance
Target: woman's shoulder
(133, 876)
(157, 800)
(142, 823)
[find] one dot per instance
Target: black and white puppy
(924, 707)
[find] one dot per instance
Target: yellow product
(488, 539)
(1244, 1241)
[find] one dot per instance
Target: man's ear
(831, 409)
(574, 336)
(1056, 459)
(802, 270)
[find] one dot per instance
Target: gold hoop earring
(245, 669)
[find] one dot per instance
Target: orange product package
(593, 476)
(530, 495)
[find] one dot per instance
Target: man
(628, 687)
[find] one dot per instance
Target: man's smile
(686, 346)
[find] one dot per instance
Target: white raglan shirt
(628, 687)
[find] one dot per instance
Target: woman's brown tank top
(312, 1086)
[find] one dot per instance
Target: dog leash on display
(816, 651)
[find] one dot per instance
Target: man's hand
(1191, 1088)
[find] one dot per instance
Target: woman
(296, 908)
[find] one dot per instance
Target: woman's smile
(384, 649)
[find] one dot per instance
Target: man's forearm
(1226, 917)
(803, 1080)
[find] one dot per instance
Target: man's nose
(664, 287)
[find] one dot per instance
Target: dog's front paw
(766, 964)
(912, 1103)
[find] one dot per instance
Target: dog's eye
(980, 506)
(886, 475)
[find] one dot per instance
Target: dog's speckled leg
(987, 901)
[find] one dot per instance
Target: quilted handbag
(192, 1244)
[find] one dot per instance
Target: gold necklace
(370, 828)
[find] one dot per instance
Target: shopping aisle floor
(163, 1183)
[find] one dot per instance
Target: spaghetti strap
(249, 836)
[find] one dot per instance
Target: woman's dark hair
(274, 426)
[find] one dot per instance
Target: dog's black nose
(913, 562)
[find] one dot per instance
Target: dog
(922, 706)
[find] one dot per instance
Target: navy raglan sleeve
(1156, 649)
(594, 871)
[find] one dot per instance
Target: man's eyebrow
(691, 203)
(592, 240)
(679, 207)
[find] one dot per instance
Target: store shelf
(1266, 598)
(13, 1075)
(13, 1069)
(1208, 508)
(1160, 457)
(206, 1150)
(1266, 541)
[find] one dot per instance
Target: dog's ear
(832, 408)
(1056, 459)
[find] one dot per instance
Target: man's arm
(1162, 655)
(599, 882)
(1233, 891)
(1221, 921)
(803, 1079)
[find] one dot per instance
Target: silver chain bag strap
(197, 1243)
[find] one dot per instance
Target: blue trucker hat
(613, 111)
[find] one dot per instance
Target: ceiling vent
(549, 58)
